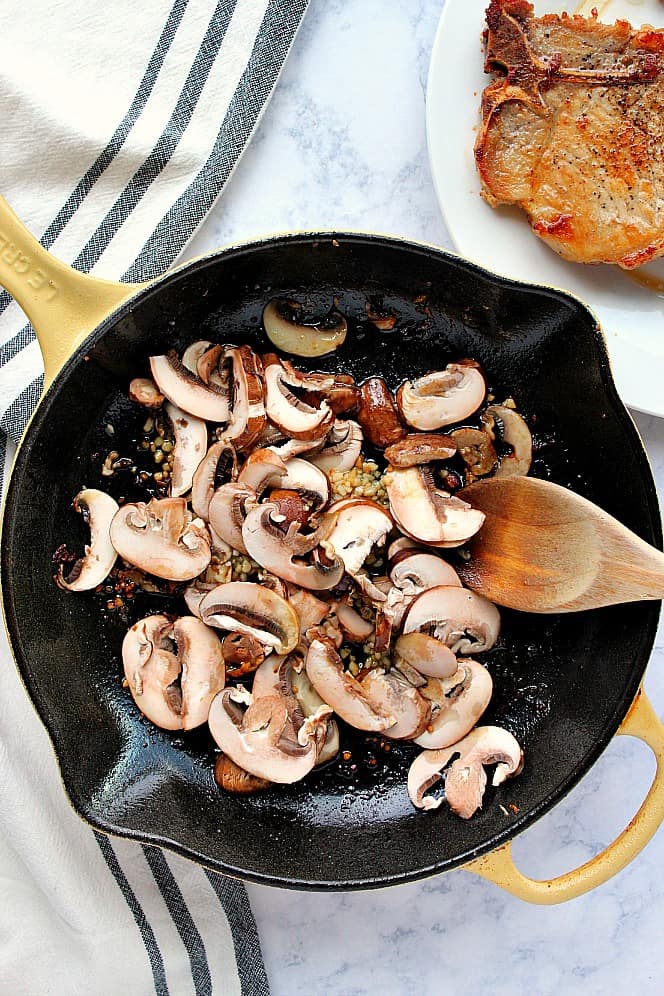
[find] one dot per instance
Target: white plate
(631, 315)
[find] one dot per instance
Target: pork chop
(573, 131)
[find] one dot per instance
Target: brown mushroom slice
(276, 551)
(417, 448)
(476, 450)
(188, 391)
(426, 654)
(207, 365)
(310, 611)
(466, 622)
(152, 671)
(378, 415)
(243, 654)
(247, 416)
(457, 704)
(516, 434)
(391, 693)
(465, 779)
(342, 448)
(294, 417)
(203, 673)
(162, 539)
(359, 525)
(145, 392)
(232, 778)
(98, 509)
(193, 353)
(227, 511)
(257, 741)
(443, 397)
(245, 607)
(342, 692)
(428, 514)
(190, 435)
(220, 461)
(280, 320)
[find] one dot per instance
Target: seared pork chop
(573, 131)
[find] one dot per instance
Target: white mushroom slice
(309, 610)
(144, 392)
(302, 339)
(257, 740)
(194, 594)
(193, 353)
(293, 416)
(402, 543)
(219, 461)
(311, 703)
(294, 447)
(414, 571)
(360, 524)
(310, 482)
(457, 704)
(392, 693)
(342, 692)
(516, 434)
(428, 514)
(162, 539)
(152, 671)
(227, 512)
(243, 607)
(187, 391)
(262, 469)
(276, 551)
(190, 446)
(426, 654)
(465, 621)
(342, 448)
(357, 629)
(465, 779)
(203, 673)
(248, 410)
(443, 397)
(98, 510)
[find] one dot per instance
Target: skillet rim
(362, 882)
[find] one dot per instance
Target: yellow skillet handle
(63, 305)
(498, 866)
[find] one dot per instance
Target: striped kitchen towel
(120, 125)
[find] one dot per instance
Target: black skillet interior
(562, 683)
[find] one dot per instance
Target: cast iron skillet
(562, 683)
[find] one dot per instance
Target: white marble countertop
(342, 145)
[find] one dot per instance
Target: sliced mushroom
(207, 366)
(417, 448)
(188, 391)
(402, 543)
(457, 704)
(276, 551)
(443, 397)
(392, 693)
(162, 539)
(227, 511)
(98, 509)
(476, 450)
(194, 594)
(287, 331)
(342, 448)
(342, 692)
(193, 353)
(294, 417)
(426, 654)
(219, 466)
(465, 621)
(190, 446)
(310, 703)
(378, 415)
(247, 416)
(232, 778)
(144, 392)
(428, 514)
(308, 481)
(243, 654)
(414, 571)
(309, 610)
(516, 434)
(356, 629)
(257, 740)
(262, 469)
(359, 525)
(465, 779)
(244, 607)
(174, 690)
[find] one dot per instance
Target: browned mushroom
(515, 433)
(378, 415)
(476, 450)
(144, 392)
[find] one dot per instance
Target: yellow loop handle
(63, 305)
(498, 866)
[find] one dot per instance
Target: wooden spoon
(543, 548)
